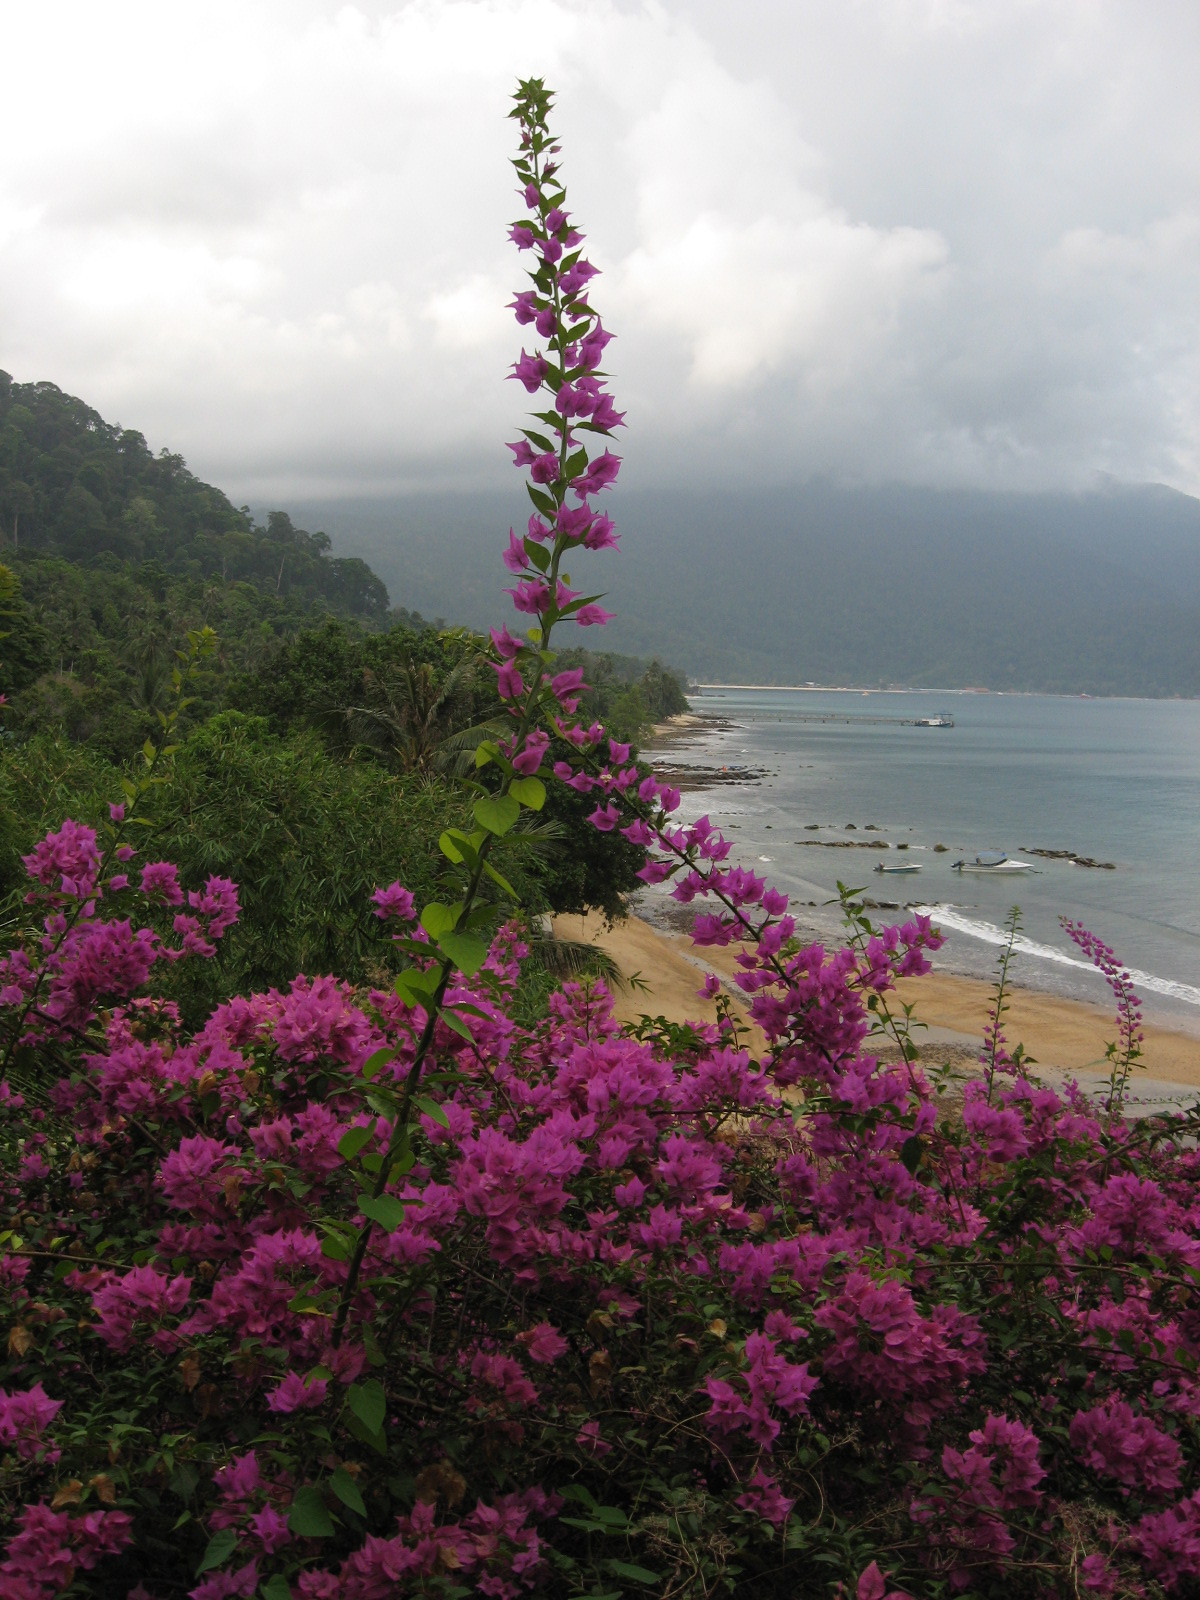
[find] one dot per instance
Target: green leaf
(485, 753)
(374, 1064)
(577, 605)
(481, 916)
(368, 1403)
(544, 502)
(308, 1518)
(911, 1152)
(344, 1486)
(528, 792)
(538, 554)
(381, 1100)
(432, 1109)
(626, 1569)
(612, 1515)
(462, 1008)
(276, 1588)
(438, 919)
(384, 1209)
(339, 1239)
(220, 1547)
(467, 952)
(457, 1025)
(184, 1480)
(415, 988)
(305, 1301)
(456, 846)
(579, 1493)
(376, 1441)
(496, 813)
(353, 1140)
(499, 879)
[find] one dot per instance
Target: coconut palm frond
(541, 836)
(417, 717)
(574, 958)
(456, 752)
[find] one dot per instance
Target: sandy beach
(1065, 1037)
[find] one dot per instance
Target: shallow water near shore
(845, 772)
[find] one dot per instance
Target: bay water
(1114, 780)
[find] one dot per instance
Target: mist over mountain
(1094, 593)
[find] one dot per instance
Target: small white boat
(993, 862)
(943, 719)
(900, 867)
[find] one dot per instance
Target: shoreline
(850, 688)
(682, 749)
(1066, 1038)
(683, 726)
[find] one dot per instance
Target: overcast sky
(938, 241)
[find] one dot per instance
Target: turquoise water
(1116, 780)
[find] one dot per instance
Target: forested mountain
(1095, 593)
(75, 486)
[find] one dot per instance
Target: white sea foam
(948, 916)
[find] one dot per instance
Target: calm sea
(1116, 780)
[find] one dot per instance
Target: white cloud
(922, 239)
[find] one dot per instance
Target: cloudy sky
(937, 241)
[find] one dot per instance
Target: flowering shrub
(370, 1294)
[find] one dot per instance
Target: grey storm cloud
(921, 240)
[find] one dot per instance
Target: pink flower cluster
(50, 1547)
(770, 1381)
(58, 979)
(24, 1417)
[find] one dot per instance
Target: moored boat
(899, 867)
(995, 862)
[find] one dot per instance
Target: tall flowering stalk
(565, 474)
(1125, 1051)
(995, 1057)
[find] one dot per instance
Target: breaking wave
(949, 917)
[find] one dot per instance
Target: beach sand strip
(1065, 1037)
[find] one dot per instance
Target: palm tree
(424, 721)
